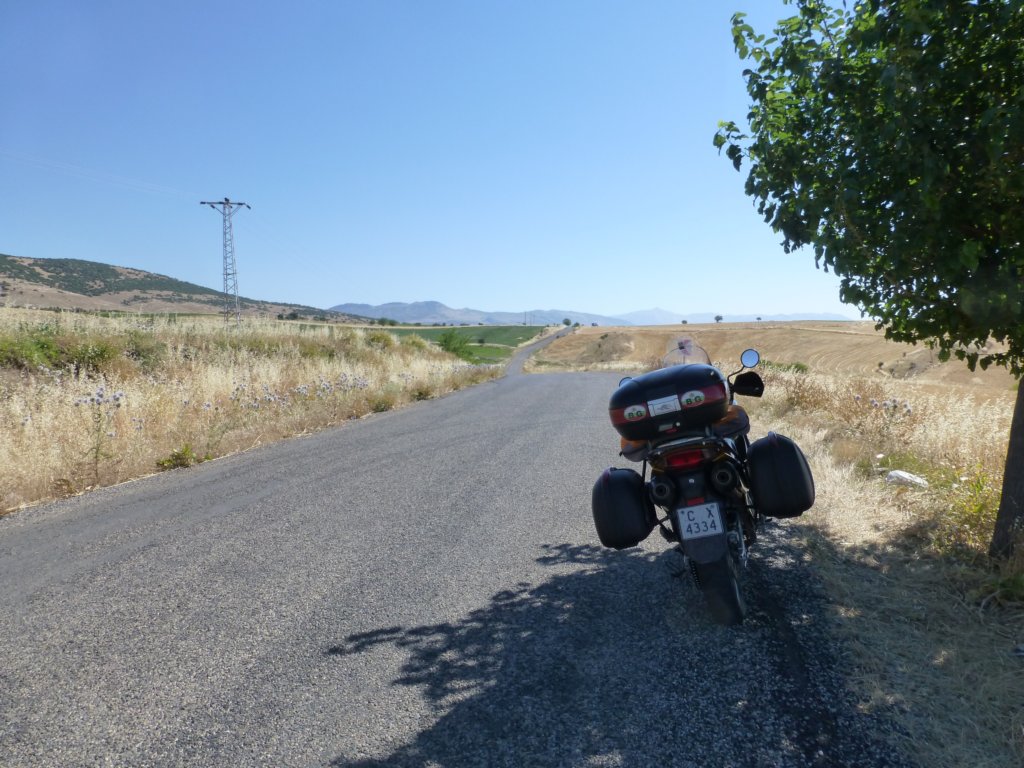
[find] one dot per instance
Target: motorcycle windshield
(685, 351)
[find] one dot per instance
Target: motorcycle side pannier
(780, 477)
(660, 403)
(623, 514)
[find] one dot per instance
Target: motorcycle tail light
(685, 459)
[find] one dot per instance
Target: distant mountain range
(436, 313)
(91, 285)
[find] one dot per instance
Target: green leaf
(885, 134)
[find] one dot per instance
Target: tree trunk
(1010, 519)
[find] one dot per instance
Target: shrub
(380, 340)
(312, 349)
(382, 401)
(91, 356)
(181, 458)
(412, 341)
(966, 528)
(29, 351)
(422, 392)
(455, 343)
(787, 367)
(145, 350)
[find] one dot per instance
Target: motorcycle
(709, 489)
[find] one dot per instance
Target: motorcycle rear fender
(709, 549)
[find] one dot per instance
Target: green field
(502, 335)
(486, 343)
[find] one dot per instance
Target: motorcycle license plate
(699, 521)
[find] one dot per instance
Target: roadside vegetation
(87, 400)
(936, 624)
(476, 344)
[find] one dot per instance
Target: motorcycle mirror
(750, 358)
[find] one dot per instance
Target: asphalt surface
(419, 588)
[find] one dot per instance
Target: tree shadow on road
(922, 647)
(613, 660)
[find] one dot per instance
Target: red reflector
(684, 459)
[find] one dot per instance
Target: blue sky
(501, 155)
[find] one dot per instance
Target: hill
(436, 313)
(91, 285)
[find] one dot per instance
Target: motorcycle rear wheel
(720, 585)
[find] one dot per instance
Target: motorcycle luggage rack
(699, 441)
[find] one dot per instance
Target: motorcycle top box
(663, 402)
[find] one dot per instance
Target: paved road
(419, 588)
(518, 360)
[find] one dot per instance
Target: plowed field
(849, 348)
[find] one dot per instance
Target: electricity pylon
(228, 208)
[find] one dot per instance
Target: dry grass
(912, 588)
(951, 427)
(167, 393)
(933, 625)
(923, 642)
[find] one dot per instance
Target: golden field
(846, 348)
(132, 394)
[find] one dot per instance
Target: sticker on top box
(692, 398)
(664, 405)
(635, 412)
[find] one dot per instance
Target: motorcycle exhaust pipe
(662, 490)
(724, 477)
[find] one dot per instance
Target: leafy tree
(888, 138)
(567, 321)
(718, 318)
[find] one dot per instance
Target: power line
(228, 209)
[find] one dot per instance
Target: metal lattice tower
(228, 208)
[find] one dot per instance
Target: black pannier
(623, 514)
(660, 403)
(780, 477)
